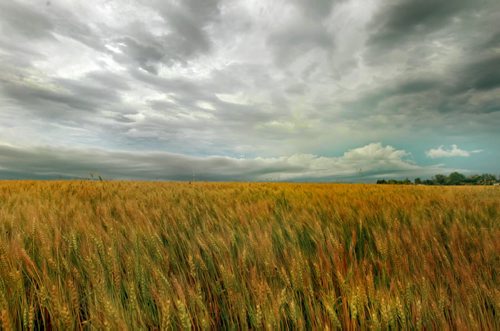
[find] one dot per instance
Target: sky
(296, 90)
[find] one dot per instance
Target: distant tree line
(455, 178)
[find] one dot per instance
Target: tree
(440, 179)
(487, 179)
(456, 178)
(473, 179)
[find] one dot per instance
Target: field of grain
(130, 255)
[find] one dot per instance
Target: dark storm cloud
(60, 99)
(146, 54)
(296, 40)
(139, 48)
(187, 38)
(400, 21)
(170, 85)
(187, 93)
(428, 96)
(243, 115)
(483, 74)
(317, 10)
(492, 42)
(24, 20)
(109, 80)
(298, 88)
(51, 162)
(307, 32)
(46, 162)
(188, 20)
(39, 20)
(415, 86)
(181, 115)
(41, 99)
(409, 88)
(415, 36)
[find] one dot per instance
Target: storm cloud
(247, 90)
(369, 162)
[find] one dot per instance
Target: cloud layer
(367, 162)
(239, 80)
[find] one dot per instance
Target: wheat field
(143, 255)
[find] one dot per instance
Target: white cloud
(439, 152)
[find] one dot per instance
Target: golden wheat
(142, 255)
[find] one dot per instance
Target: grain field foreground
(130, 255)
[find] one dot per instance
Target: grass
(130, 255)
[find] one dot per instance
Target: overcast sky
(351, 90)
